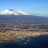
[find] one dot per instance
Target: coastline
(14, 35)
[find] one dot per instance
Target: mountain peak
(11, 9)
(14, 12)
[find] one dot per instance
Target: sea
(34, 42)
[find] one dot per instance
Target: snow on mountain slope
(13, 12)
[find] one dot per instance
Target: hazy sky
(30, 6)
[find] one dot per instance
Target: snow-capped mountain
(13, 12)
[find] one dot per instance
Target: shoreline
(14, 35)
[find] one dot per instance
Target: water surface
(36, 42)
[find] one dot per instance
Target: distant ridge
(13, 12)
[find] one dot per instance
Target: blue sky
(36, 7)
